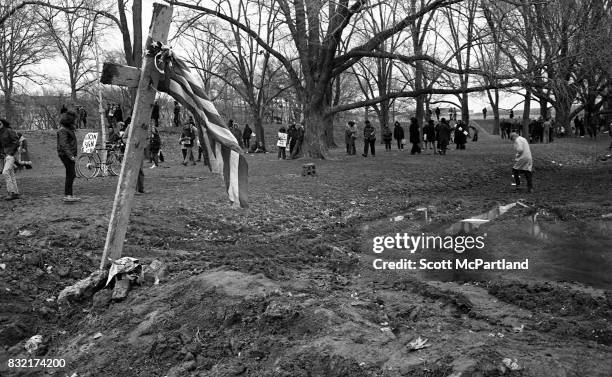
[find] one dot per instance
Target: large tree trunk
(259, 130)
(8, 107)
(562, 115)
(315, 141)
(465, 108)
(544, 108)
(526, 113)
(329, 132)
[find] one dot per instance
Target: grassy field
(287, 287)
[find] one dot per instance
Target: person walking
(511, 114)
(233, 127)
(443, 136)
(9, 144)
(484, 113)
(246, 136)
(415, 135)
(523, 162)
(398, 135)
(387, 136)
(67, 152)
(350, 134)
(369, 139)
(438, 113)
(292, 133)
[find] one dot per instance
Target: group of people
(292, 138)
(436, 136)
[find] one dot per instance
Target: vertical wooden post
(137, 133)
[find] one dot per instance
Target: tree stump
(309, 169)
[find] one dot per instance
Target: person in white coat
(523, 162)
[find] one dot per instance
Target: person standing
(292, 133)
(398, 134)
(484, 113)
(350, 134)
(511, 114)
(443, 136)
(155, 114)
(9, 143)
(299, 139)
(523, 162)
(460, 135)
(118, 113)
(438, 113)
(177, 114)
(67, 151)
(387, 136)
(83, 116)
(369, 139)
(246, 136)
(154, 147)
(429, 135)
(282, 143)
(186, 140)
(415, 135)
(236, 132)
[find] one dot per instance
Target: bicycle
(89, 165)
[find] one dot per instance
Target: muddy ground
(287, 287)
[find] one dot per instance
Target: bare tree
(23, 44)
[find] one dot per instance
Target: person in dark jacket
(398, 135)
(415, 136)
(155, 114)
(177, 114)
(154, 147)
(233, 127)
(387, 136)
(9, 144)
(429, 135)
(118, 113)
(246, 136)
(443, 136)
(461, 133)
(291, 134)
(299, 139)
(369, 139)
(67, 151)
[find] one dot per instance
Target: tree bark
(526, 111)
(315, 142)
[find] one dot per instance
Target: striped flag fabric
(221, 147)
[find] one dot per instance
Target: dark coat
(66, 142)
(246, 134)
(460, 136)
(444, 132)
(387, 135)
(398, 132)
(9, 141)
(415, 133)
(430, 131)
(369, 133)
(118, 114)
(155, 112)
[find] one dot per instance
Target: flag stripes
(221, 147)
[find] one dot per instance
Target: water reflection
(473, 223)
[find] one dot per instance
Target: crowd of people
(436, 135)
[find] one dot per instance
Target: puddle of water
(473, 223)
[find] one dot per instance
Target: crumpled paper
(124, 265)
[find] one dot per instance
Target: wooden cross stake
(137, 133)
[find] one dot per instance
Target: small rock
(101, 299)
(63, 271)
(25, 233)
(2, 266)
(32, 259)
(121, 289)
(97, 335)
(82, 289)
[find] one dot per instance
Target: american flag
(221, 147)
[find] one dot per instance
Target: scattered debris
(33, 343)
(2, 266)
(398, 218)
(512, 364)
(417, 344)
(97, 335)
(519, 329)
(124, 265)
(25, 233)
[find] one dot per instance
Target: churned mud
(287, 287)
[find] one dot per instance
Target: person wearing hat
(523, 162)
(67, 151)
(9, 144)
